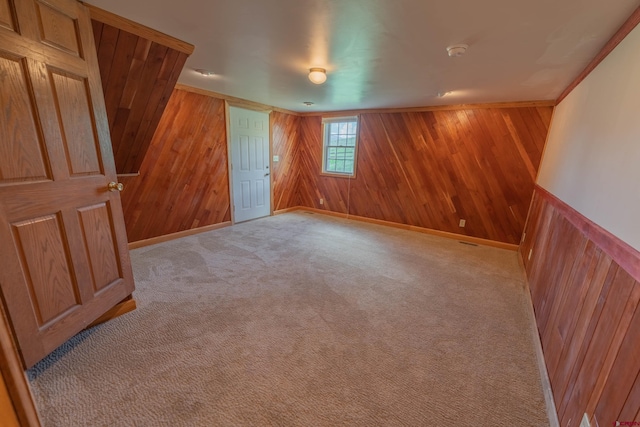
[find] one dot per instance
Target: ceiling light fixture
(443, 94)
(204, 72)
(457, 50)
(308, 103)
(318, 75)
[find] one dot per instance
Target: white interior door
(251, 176)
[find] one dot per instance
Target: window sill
(338, 175)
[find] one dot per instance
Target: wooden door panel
(21, 151)
(46, 266)
(78, 133)
(58, 29)
(63, 243)
(7, 15)
(99, 239)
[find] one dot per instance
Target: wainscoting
(585, 292)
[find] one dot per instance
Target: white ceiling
(383, 53)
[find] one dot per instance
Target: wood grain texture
(44, 257)
(286, 171)
(138, 77)
(21, 140)
(20, 405)
(614, 41)
(453, 107)
(588, 313)
(431, 169)
(7, 15)
(183, 182)
(139, 30)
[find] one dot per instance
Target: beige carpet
(306, 320)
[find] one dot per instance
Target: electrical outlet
(322, 201)
(276, 159)
(585, 421)
(463, 222)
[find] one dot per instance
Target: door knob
(115, 186)
(266, 174)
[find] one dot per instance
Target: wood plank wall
(285, 172)
(183, 182)
(585, 289)
(431, 169)
(138, 76)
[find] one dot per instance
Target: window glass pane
(340, 141)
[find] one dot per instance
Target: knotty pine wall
(183, 182)
(585, 291)
(431, 169)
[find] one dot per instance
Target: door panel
(25, 146)
(46, 265)
(250, 163)
(99, 237)
(63, 243)
(78, 133)
(7, 19)
(57, 29)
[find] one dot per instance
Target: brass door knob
(115, 186)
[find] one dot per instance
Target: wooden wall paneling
(285, 172)
(431, 169)
(183, 182)
(588, 309)
(138, 76)
(618, 385)
(601, 343)
(312, 186)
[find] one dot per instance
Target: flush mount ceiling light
(206, 73)
(308, 103)
(318, 75)
(442, 94)
(457, 50)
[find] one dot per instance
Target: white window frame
(326, 122)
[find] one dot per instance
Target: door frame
(18, 396)
(227, 115)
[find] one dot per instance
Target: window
(339, 146)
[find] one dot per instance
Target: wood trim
(272, 201)
(140, 30)
(459, 237)
(547, 390)
(12, 371)
(227, 124)
(614, 41)
(123, 307)
(251, 105)
(128, 175)
(544, 103)
(287, 210)
(622, 253)
(179, 234)
(10, 418)
(236, 102)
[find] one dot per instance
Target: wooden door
(249, 131)
(63, 245)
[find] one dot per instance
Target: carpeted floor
(306, 320)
